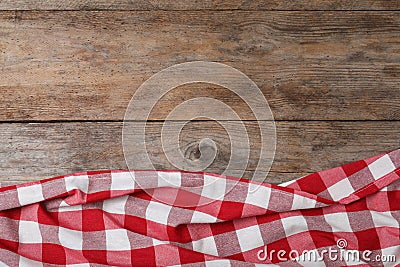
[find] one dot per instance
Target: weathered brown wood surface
(309, 65)
(199, 5)
(331, 77)
(37, 150)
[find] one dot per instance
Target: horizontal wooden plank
(309, 65)
(38, 150)
(199, 5)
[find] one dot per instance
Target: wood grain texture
(331, 78)
(198, 5)
(32, 151)
(309, 65)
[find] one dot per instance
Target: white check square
(339, 222)
(294, 225)
(122, 180)
(115, 205)
(340, 190)
(169, 179)
(206, 245)
(29, 232)
(258, 195)
(300, 202)
(250, 238)
(201, 217)
(70, 238)
(158, 212)
(214, 187)
(80, 182)
(117, 240)
(382, 219)
(30, 194)
(381, 167)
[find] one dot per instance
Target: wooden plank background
(199, 5)
(330, 71)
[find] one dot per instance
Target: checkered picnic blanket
(105, 218)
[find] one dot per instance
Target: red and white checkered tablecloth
(104, 218)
